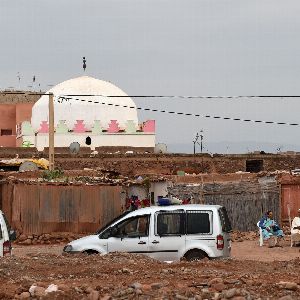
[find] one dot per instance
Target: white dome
(73, 110)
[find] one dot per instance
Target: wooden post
(51, 132)
(290, 222)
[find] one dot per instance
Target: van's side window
(199, 222)
(170, 223)
(133, 227)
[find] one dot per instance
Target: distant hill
(234, 147)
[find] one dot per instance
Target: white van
(166, 233)
(6, 236)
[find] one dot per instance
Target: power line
(155, 96)
(183, 96)
(178, 113)
(68, 97)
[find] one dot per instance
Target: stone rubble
(129, 276)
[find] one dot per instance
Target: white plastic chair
(261, 240)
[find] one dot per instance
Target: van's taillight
(6, 247)
(220, 242)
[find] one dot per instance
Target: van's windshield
(112, 221)
(225, 222)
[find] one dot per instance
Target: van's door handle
(141, 243)
(155, 242)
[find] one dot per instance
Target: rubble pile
(239, 236)
(86, 177)
(129, 276)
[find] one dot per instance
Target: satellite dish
(74, 148)
(28, 166)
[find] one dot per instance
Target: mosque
(84, 113)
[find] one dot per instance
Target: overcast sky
(169, 47)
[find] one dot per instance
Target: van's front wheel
(195, 254)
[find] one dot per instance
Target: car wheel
(195, 255)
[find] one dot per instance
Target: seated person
(142, 226)
(295, 230)
(270, 228)
(129, 228)
(136, 227)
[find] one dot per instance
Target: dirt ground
(253, 272)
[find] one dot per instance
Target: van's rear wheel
(90, 252)
(193, 255)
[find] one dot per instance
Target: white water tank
(160, 148)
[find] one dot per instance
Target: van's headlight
(68, 248)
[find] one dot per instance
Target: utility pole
(195, 141)
(51, 132)
(201, 141)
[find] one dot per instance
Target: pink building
(14, 109)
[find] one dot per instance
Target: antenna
(33, 82)
(19, 79)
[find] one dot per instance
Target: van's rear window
(198, 222)
(225, 222)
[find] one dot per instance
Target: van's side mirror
(12, 235)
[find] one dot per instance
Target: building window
(88, 141)
(254, 166)
(6, 132)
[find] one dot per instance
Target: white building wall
(41, 140)
(159, 189)
(139, 191)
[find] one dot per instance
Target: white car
(166, 233)
(6, 236)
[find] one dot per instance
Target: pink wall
(10, 116)
(23, 112)
(8, 141)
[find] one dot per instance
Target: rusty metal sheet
(38, 209)
(29, 202)
(290, 196)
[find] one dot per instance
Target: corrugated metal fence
(245, 201)
(38, 209)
